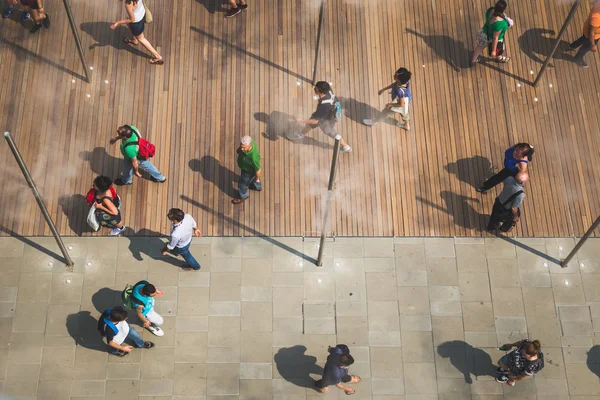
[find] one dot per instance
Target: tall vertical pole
(317, 51)
(585, 237)
(77, 40)
(326, 216)
(560, 35)
(36, 194)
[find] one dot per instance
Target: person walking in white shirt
(184, 227)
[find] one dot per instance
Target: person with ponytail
(491, 35)
(524, 361)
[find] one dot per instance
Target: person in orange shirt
(591, 33)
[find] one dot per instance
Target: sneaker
(297, 137)
(46, 22)
(368, 122)
(242, 6)
(347, 149)
(148, 345)
(121, 353)
(153, 179)
(582, 64)
(481, 190)
(156, 330)
(25, 17)
(119, 182)
(501, 378)
(233, 12)
(36, 27)
(7, 12)
(569, 48)
(402, 125)
(117, 231)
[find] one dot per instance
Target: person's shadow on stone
(213, 171)
(295, 366)
(83, 328)
(280, 124)
(149, 243)
(593, 360)
(537, 44)
(357, 111)
(447, 48)
(102, 35)
(75, 208)
(472, 171)
(467, 359)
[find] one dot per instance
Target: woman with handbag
(106, 204)
(492, 34)
(138, 16)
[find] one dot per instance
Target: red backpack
(147, 149)
(91, 195)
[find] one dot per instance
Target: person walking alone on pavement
(250, 171)
(236, 8)
(516, 160)
(521, 363)
(335, 372)
(591, 34)
(506, 211)
(135, 156)
(326, 116)
(401, 97)
(184, 227)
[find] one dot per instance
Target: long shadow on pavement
(467, 359)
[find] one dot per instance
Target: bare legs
(142, 39)
(476, 53)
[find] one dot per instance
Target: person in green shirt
(249, 163)
(129, 136)
(495, 26)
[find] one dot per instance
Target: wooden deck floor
(249, 75)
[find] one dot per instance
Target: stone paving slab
(423, 318)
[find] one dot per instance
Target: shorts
(482, 39)
(137, 28)
(31, 4)
(108, 220)
(327, 127)
(403, 111)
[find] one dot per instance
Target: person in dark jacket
(336, 370)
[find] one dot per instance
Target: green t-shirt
(498, 26)
(249, 161)
(130, 152)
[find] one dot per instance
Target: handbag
(92, 220)
(148, 17)
(499, 49)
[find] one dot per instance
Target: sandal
(503, 59)
(476, 61)
(130, 42)
(156, 61)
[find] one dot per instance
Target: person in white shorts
(401, 98)
(151, 320)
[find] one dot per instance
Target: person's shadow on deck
(470, 170)
(103, 36)
(212, 6)
(284, 125)
(537, 44)
(102, 163)
(75, 208)
(467, 359)
(148, 242)
(213, 171)
(295, 366)
(593, 360)
(452, 51)
(471, 219)
(357, 111)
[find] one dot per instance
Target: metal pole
(321, 17)
(36, 194)
(560, 34)
(326, 216)
(77, 41)
(585, 237)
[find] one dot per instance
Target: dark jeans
(248, 180)
(187, 256)
(500, 215)
(584, 47)
(498, 178)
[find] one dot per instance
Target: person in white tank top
(137, 18)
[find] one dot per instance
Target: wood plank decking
(251, 74)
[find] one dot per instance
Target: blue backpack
(104, 320)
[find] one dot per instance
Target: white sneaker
(156, 330)
(117, 231)
(368, 122)
(347, 149)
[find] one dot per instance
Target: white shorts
(402, 110)
(154, 318)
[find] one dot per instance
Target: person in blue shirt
(335, 371)
(144, 301)
(401, 98)
(515, 160)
